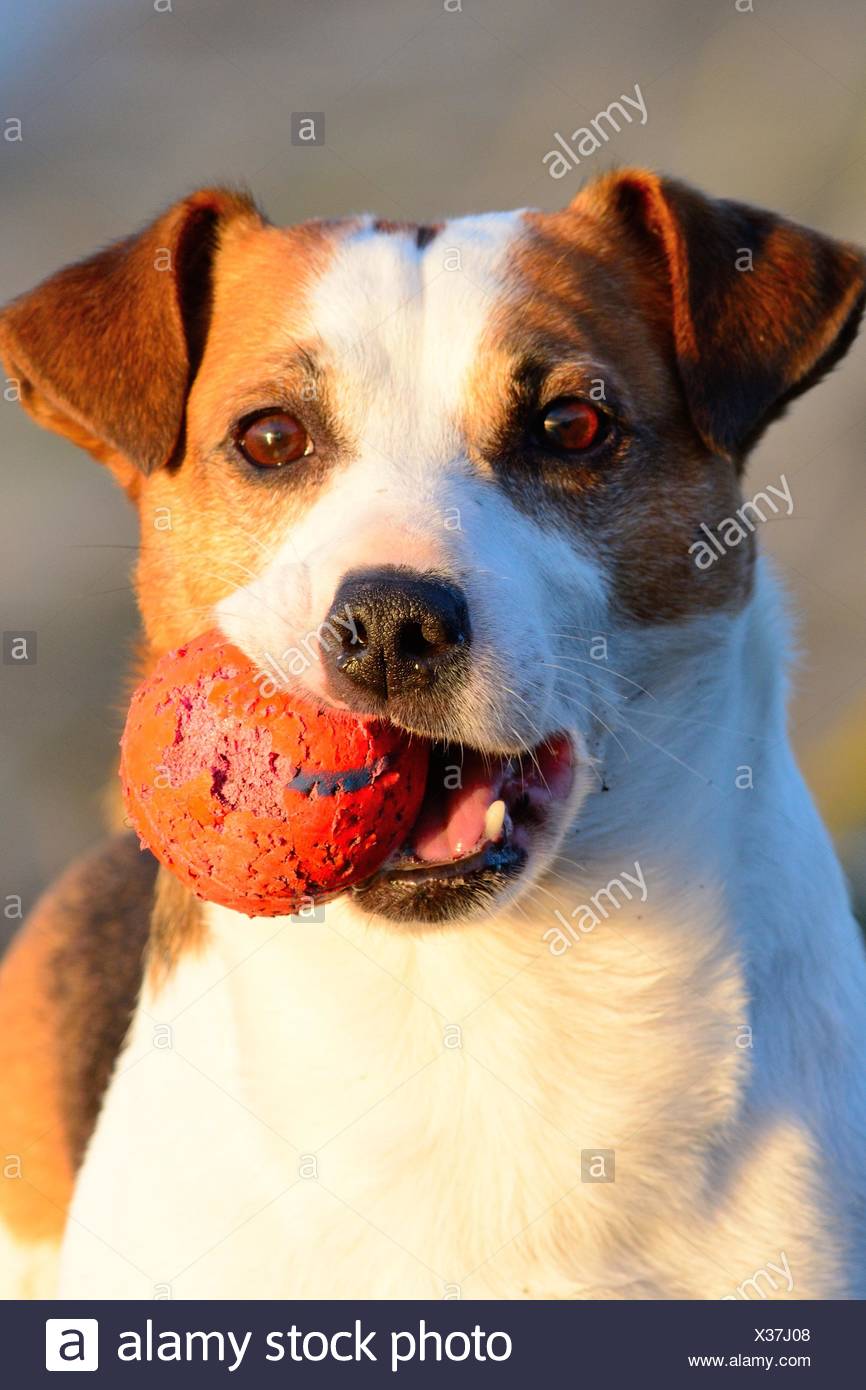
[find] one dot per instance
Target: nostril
(356, 636)
(411, 641)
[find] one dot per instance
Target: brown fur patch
(703, 319)
(209, 525)
(583, 308)
(67, 991)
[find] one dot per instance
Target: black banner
(417, 1344)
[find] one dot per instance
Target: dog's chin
(487, 822)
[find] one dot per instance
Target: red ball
(256, 799)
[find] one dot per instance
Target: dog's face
(451, 476)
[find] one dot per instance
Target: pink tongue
(453, 824)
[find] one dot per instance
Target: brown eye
(270, 441)
(571, 426)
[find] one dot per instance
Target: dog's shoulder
(67, 990)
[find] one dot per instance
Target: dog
(599, 1030)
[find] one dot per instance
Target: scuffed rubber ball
(260, 801)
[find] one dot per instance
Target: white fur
(441, 1168)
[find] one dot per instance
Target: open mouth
(481, 816)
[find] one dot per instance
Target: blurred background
(432, 107)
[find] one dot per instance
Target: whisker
(707, 781)
(643, 737)
(587, 680)
(573, 862)
(257, 540)
(592, 714)
(244, 569)
(532, 755)
(561, 877)
(515, 696)
(494, 574)
(121, 589)
(658, 714)
(582, 661)
(233, 589)
(702, 723)
(541, 889)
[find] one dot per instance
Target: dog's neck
(701, 788)
(698, 748)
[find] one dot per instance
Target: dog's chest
(381, 1123)
(323, 1110)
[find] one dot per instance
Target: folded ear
(105, 350)
(759, 308)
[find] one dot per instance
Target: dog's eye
(273, 439)
(571, 426)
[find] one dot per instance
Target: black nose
(400, 633)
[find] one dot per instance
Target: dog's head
(432, 472)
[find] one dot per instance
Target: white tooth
(494, 820)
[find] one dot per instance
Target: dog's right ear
(105, 351)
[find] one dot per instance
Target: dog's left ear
(105, 350)
(760, 308)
